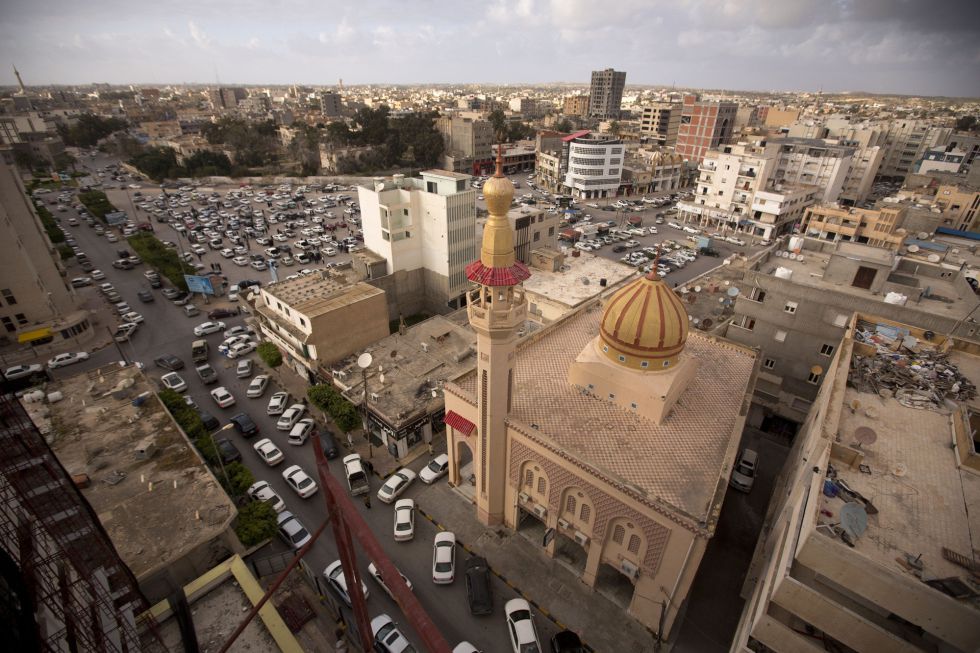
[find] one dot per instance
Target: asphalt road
(167, 330)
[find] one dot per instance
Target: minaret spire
(20, 82)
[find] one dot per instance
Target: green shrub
(97, 203)
(240, 478)
(343, 413)
(270, 354)
(161, 258)
(66, 252)
(256, 523)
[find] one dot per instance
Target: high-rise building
(468, 142)
(427, 224)
(37, 305)
(704, 126)
(226, 97)
(331, 105)
(660, 121)
(606, 93)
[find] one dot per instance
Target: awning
(36, 334)
(458, 422)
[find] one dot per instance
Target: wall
(333, 337)
(405, 292)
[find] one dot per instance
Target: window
(827, 350)
(780, 335)
(21, 319)
(840, 321)
(612, 396)
(537, 236)
(585, 513)
(9, 296)
(570, 505)
(551, 231)
(769, 363)
(622, 359)
(619, 533)
(757, 295)
(542, 485)
(813, 378)
(528, 478)
(644, 364)
(790, 307)
(634, 545)
(9, 324)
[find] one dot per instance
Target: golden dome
(498, 191)
(644, 326)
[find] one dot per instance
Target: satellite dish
(732, 292)
(697, 288)
(853, 519)
(913, 248)
(364, 360)
(933, 258)
(865, 435)
(706, 323)
(381, 378)
(923, 235)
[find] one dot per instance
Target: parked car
(245, 426)
(244, 369)
(444, 558)
(329, 444)
(238, 331)
(268, 452)
(209, 421)
(334, 575)
(240, 349)
(291, 530)
(169, 362)
(395, 485)
(376, 575)
(277, 403)
(207, 328)
(566, 641)
(173, 381)
(228, 451)
(290, 416)
(219, 313)
(300, 481)
(257, 387)
(262, 491)
(301, 431)
(404, 528)
(435, 470)
(21, 371)
(222, 397)
(145, 296)
(743, 475)
(387, 637)
(520, 627)
(61, 360)
(81, 282)
(478, 590)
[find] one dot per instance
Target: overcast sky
(928, 47)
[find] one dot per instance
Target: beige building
(781, 117)
(37, 306)
(576, 105)
(309, 318)
(468, 142)
(895, 578)
(880, 227)
(161, 130)
(960, 205)
(614, 426)
(651, 171)
(660, 121)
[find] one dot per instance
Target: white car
(277, 403)
(237, 331)
(300, 481)
(262, 491)
(257, 387)
(520, 625)
(268, 452)
(396, 484)
(290, 416)
(132, 317)
(292, 531)
(301, 431)
(387, 637)
(222, 397)
(208, 328)
(444, 558)
(98, 275)
(334, 575)
(240, 260)
(174, 382)
(228, 343)
(20, 371)
(241, 349)
(404, 520)
(62, 360)
(435, 470)
(376, 575)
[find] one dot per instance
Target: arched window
(586, 513)
(634, 545)
(542, 485)
(528, 478)
(570, 505)
(618, 533)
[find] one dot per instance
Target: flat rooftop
(156, 509)
(681, 462)
(319, 293)
(449, 174)
(578, 280)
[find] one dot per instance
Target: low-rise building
(878, 227)
(651, 171)
(576, 105)
(309, 318)
(161, 129)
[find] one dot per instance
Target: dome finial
(654, 273)
(500, 160)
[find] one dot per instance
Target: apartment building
(468, 144)
(776, 212)
(659, 123)
(960, 206)
(33, 135)
(704, 125)
(576, 105)
(813, 162)
(606, 93)
(878, 227)
(427, 223)
(906, 141)
(941, 159)
(331, 104)
(835, 572)
(309, 319)
(651, 171)
(595, 165)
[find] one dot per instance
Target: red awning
(459, 422)
(578, 134)
(509, 276)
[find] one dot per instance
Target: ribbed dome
(644, 326)
(498, 193)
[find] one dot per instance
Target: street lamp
(221, 461)
(364, 362)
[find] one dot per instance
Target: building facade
(331, 104)
(878, 227)
(576, 105)
(606, 93)
(704, 126)
(468, 142)
(659, 123)
(595, 165)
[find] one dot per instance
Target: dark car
(329, 444)
(145, 296)
(169, 362)
(244, 425)
(155, 282)
(209, 421)
(566, 642)
(707, 251)
(478, 592)
(620, 248)
(228, 451)
(249, 282)
(219, 313)
(87, 266)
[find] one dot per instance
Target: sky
(916, 47)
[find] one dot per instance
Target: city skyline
(909, 48)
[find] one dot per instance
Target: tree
(162, 258)
(158, 163)
(499, 122)
(269, 354)
(371, 125)
(564, 125)
(338, 133)
(417, 135)
(64, 160)
(256, 523)
(966, 123)
(206, 163)
(89, 129)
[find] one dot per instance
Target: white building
(595, 166)
(727, 181)
(426, 223)
(941, 159)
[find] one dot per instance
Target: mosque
(610, 434)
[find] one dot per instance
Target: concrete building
(942, 159)
(631, 518)
(969, 143)
(550, 159)
(777, 212)
(659, 123)
(426, 223)
(795, 309)
(960, 206)
(781, 117)
(528, 107)
(309, 319)
(595, 165)
(37, 306)
(158, 501)
(468, 142)
(814, 162)
(226, 97)
(555, 293)
(606, 93)
(331, 104)
(704, 126)
(906, 141)
(576, 105)
(879, 227)
(32, 135)
(890, 579)
(161, 129)
(651, 171)
(533, 229)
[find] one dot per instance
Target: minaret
(20, 82)
(497, 309)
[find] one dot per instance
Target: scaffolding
(82, 595)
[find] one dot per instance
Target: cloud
(198, 35)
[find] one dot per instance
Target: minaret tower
(496, 309)
(20, 82)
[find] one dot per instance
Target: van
(199, 351)
(190, 310)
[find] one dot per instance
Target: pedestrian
(219, 267)
(431, 450)
(369, 465)
(200, 258)
(367, 500)
(350, 441)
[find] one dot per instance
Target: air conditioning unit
(581, 538)
(340, 374)
(524, 497)
(375, 396)
(540, 511)
(425, 346)
(563, 523)
(629, 569)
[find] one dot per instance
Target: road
(167, 331)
